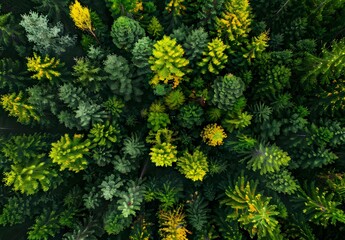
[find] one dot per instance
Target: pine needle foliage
(43, 68)
(167, 62)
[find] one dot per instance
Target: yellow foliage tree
(213, 134)
(45, 69)
(173, 225)
(82, 18)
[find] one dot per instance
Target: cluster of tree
(174, 119)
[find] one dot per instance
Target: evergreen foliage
(175, 119)
(70, 153)
(47, 39)
(168, 62)
(126, 32)
(43, 68)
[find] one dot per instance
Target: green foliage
(214, 59)
(122, 7)
(267, 159)
(133, 146)
(48, 224)
(46, 39)
(119, 77)
(235, 21)
(319, 206)
(237, 121)
(141, 52)
(252, 209)
(326, 68)
(15, 211)
(8, 29)
(126, 32)
(168, 62)
(197, 213)
(114, 106)
(70, 153)
(227, 91)
(87, 230)
(89, 113)
(195, 44)
(110, 187)
(175, 99)
(31, 177)
(194, 166)
(11, 74)
(155, 29)
(17, 106)
(54, 9)
(282, 182)
(104, 134)
(190, 115)
(163, 154)
(114, 222)
(130, 200)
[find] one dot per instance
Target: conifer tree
(194, 166)
(214, 59)
(8, 30)
(168, 62)
(235, 21)
(45, 38)
(126, 32)
(82, 18)
(213, 134)
(155, 29)
(172, 224)
(17, 106)
(70, 153)
(46, 68)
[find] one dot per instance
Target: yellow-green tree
(193, 166)
(173, 224)
(82, 17)
(168, 62)
(46, 68)
(17, 106)
(234, 24)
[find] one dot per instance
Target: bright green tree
(17, 106)
(214, 59)
(70, 153)
(168, 62)
(194, 166)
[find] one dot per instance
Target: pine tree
(17, 106)
(175, 99)
(326, 68)
(194, 166)
(168, 62)
(172, 224)
(70, 153)
(252, 209)
(46, 68)
(8, 29)
(319, 206)
(227, 91)
(190, 115)
(214, 59)
(12, 75)
(104, 134)
(267, 159)
(130, 200)
(155, 29)
(195, 44)
(213, 134)
(45, 38)
(82, 18)
(235, 21)
(126, 32)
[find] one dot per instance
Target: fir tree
(46, 68)
(45, 38)
(70, 153)
(168, 62)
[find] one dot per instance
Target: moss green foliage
(227, 91)
(70, 153)
(126, 32)
(168, 62)
(175, 119)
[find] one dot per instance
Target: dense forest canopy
(174, 119)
